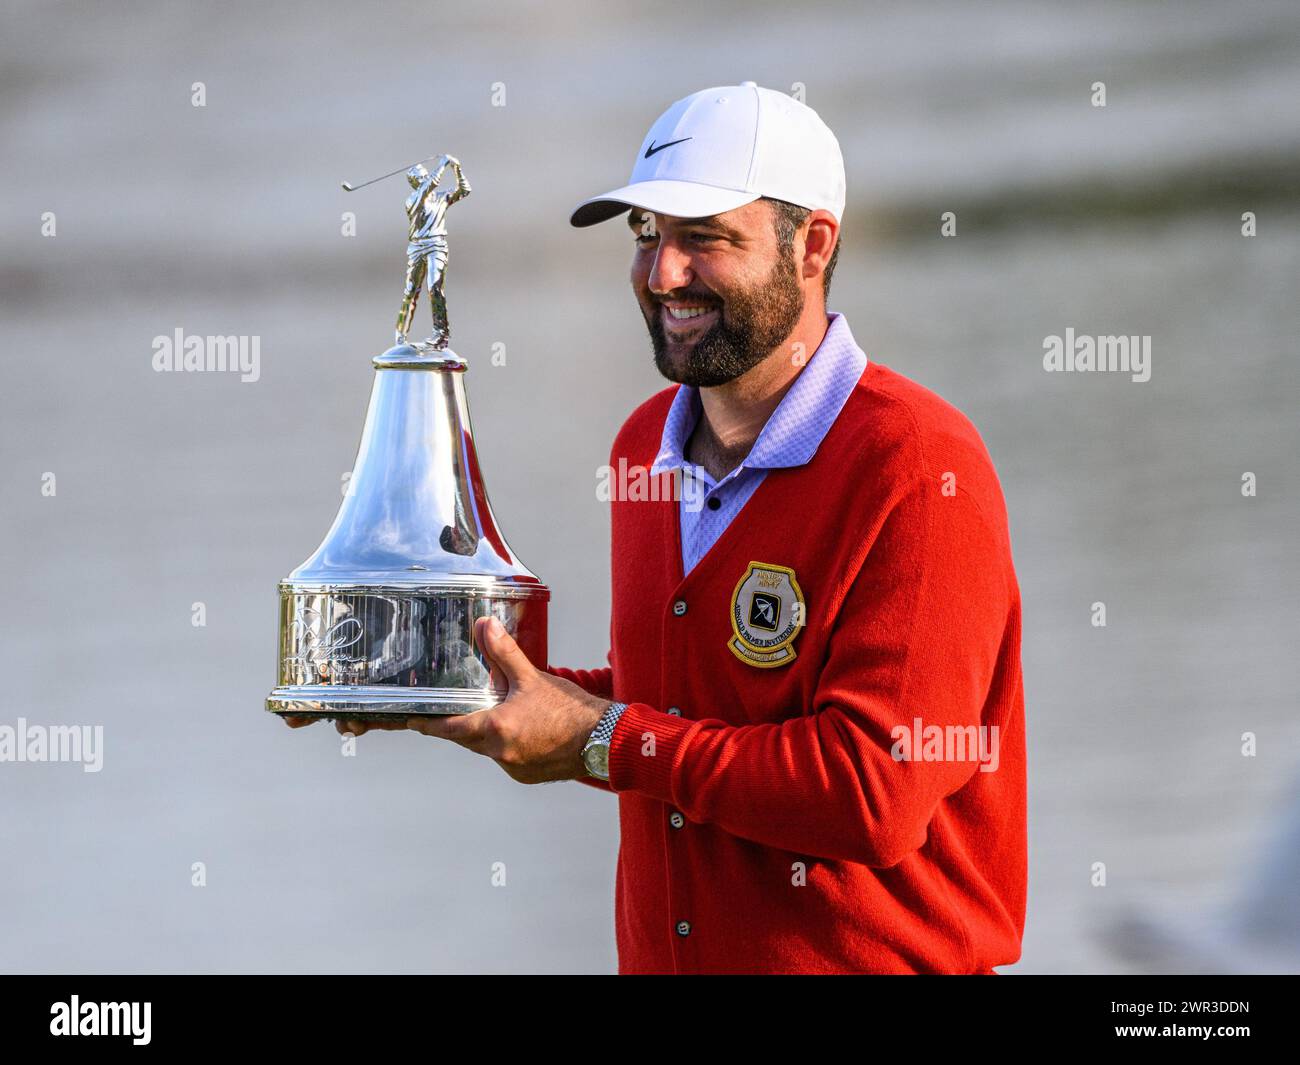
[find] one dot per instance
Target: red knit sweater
(769, 826)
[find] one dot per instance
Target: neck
(735, 413)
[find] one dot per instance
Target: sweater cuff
(644, 750)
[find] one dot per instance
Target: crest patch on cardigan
(767, 612)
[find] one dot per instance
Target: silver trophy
(379, 622)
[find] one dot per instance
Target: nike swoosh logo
(652, 149)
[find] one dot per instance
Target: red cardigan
(766, 824)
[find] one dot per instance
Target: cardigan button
(676, 820)
(676, 711)
(683, 928)
(679, 607)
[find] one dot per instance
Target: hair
(788, 217)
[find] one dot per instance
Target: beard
(750, 325)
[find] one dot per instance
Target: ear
(819, 242)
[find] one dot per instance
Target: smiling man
(800, 667)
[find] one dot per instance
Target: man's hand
(536, 735)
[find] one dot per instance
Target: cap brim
(681, 199)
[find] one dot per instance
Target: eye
(700, 237)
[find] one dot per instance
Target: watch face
(597, 759)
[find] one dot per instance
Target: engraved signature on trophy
(320, 647)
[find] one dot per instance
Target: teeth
(688, 312)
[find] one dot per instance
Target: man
(812, 715)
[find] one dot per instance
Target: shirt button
(679, 607)
(676, 820)
(683, 928)
(714, 503)
(676, 711)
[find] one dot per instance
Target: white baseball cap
(721, 148)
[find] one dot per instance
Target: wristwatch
(595, 755)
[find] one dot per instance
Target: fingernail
(497, 628)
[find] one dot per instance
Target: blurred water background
(181, 488)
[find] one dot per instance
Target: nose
(671, 270)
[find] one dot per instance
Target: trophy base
(376, 703)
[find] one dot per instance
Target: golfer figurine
(426, 249)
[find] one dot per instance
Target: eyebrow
(711, 222)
